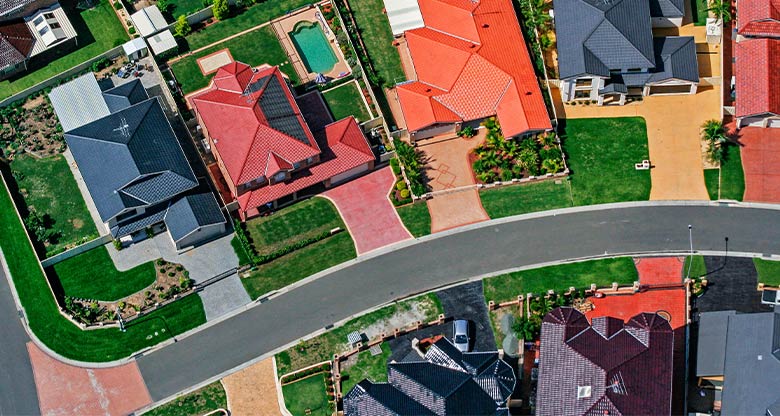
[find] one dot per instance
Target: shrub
(171, 274)
(182, 27)
(395, 166)
(118, 5)
(131, 30)
(506, 175)
(117, 245)
(221, 8)
(404, 193)
(120, 305)
(400, 185)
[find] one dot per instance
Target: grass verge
(768, 271)
(322, 347)
(346, 100)
(92, 275)
(559, 278)
(48, 187)
(199, 402)
(416, 218)
(698, 268)
(307, 397)
(367, 366)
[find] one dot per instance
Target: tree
(164, 6)
(546, 140)
(182, 27)
(721, 9)
(528, 328)
(714, 133)
(41, 227)
(552, 165)
(221, 9)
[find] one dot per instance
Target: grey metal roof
(667, 8)
(711, 349)
(675, 58)
(130, 158)
(78, 102)
(125, 95)
(191, 212)
(752, 373)
(594, 36)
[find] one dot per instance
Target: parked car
(460, 334)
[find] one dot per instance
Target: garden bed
(31, 127)
(199, 402)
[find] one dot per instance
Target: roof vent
(583, 392)
(485, 25)
(472, 46)
(428, 90)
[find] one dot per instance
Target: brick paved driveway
(760, 161)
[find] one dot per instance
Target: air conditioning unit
(770, 297)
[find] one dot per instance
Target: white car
(460, 335)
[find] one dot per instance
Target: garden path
(760, 153)
(253, 391)
(370, 217)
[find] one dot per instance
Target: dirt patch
(417, 311)
(77, 223)
(30, 128)
(252, 391)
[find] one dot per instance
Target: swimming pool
(313, 47)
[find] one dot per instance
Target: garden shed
(135, 49)
(149, 21)
(162, 42)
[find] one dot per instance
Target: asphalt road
(450, 258)
(18, 395)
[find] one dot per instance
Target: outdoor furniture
(645, 165)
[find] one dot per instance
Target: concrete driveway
(370, 217)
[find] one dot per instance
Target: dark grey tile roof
(711, 348)
(130, 156)
(667, 8)
(11, 8)
(125, 95)
(594, 36)
(675, 59)
(752, 373)
(191, 212)
(380, 399)
(614, 87)
(151, 216)
(279, 112)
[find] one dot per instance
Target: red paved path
(659, 271)
(67, 390)
(369, 215)
(761, 162)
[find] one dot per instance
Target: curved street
(432, 262)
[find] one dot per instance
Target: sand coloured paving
(212, 62)
(68, 390)
(252, 391)
(456, 209)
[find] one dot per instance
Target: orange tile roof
(475, 53)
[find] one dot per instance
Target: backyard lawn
(376, 34)
(416, 218)
(699, 12)
(258, 14)
(559, 278)
(48, 187)
(768, 271)
(307, 397)
(367, 366)
(254, 48)
(522, 199)
(322, 347)
(61, 335)
(185, 7)
(199, 402)
(92, 275)
(98, 31)
(346, 100)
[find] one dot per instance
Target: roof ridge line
(628, 40)
(249, 151)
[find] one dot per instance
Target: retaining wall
(75, 251)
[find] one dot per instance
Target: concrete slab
(67, 390)
(252, 391)
(372, 220)
(212, 62)
(224, 296)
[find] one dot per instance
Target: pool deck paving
(371, 219)
(252, 391)
(69, 390)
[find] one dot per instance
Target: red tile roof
(471, 62)
(759, 18)
(347, 149)
(758, 77)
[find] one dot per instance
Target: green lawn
(302, 220)
(559, 278)
(346, 100)
(378, 37)
(92, 275)
(254, 48)
(768, 271)
(307, 397)
(699, 11)
(732, 180)
(98, 31)
(601, 155)
(48, 187)
(199, 402)
(521, 199)
(185, 7)
(698, 268)
(258, 14)
(299, 264)
(367, 366)
(712, 181)
(322, 347)
(416, 218)
(57, 332)
(243, 256)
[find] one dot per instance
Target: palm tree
(552, 165)
(546, 140)
(721, 8)
(714, 133)
(491, 159)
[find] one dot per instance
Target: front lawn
(346, 100)
(712, 182)
(728, 182)
(699, 12)
(521, 199)
(367, 366)
(256, 15)
(376, 34)
(92, 275)
(254, 48)
(698, 268)
(307, 397)
(416, 218)
(299, 264)
(61, 335)
(322, 347)
(768, 272)
(98, 31)
(48, 187)
(559, 278)
(199, 402)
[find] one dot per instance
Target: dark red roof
(759, 18)
(16, 43)
(758, 77)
